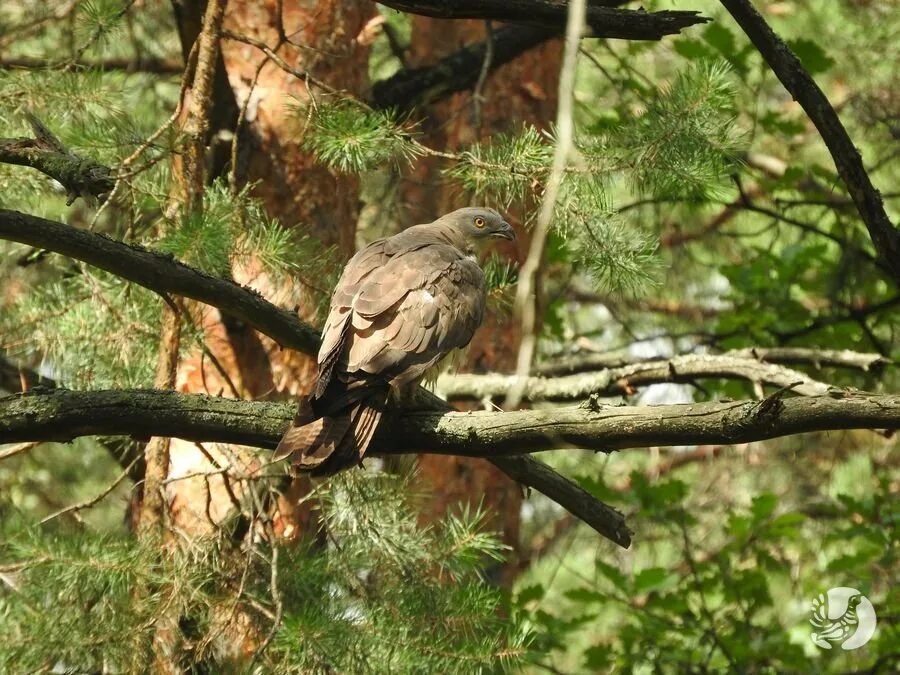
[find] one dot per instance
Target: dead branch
(624, 380)
(603, 21)
(80, 176)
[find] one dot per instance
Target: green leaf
(763, 506)
(692, 49)
(721, 39)
(652, 578)
(585, 595)
(530, 593)
(611, 573)
(811, 55)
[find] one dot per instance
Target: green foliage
(724, 590)
(684, 145)
(392, 596)
(386, 594)
(811, 55)
(59, 325)
(73, 598)
(98, 21)
(351, 138)
(505, 168)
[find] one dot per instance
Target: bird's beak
(505, 232)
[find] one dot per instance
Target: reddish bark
(294, 189)
(520, 92)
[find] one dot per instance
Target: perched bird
(401, 305)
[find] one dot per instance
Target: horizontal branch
(62, 415)
(80, 176)
(789, 356)
(624, 379)
(817, 358)
(412, 87)
(602, 21)
(143, 64)
(800, 84)
(163, 274)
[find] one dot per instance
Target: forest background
(703, 294)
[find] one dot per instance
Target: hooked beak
(506, 232)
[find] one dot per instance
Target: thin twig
(526, 297)
(88, 503)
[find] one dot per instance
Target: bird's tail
(329, 436)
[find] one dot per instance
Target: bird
(834, 624)
(401, 305)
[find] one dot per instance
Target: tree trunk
(236, 361)
(520, 92)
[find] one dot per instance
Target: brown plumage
(401, 305)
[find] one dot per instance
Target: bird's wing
(353, 278)
(404, 313)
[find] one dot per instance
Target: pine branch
(602, 21)
(800, 84)
(162, 274)
(62, 415)
(82, 177)
(624, 380)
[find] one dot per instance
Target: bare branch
(818, 358)
(788, 356)
(624, 380)
(61, 415)
(162, 274)
(603, 518)
(82, 177)
(602, 20)
(787, 67)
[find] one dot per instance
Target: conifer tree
(707, 235)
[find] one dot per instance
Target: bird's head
(478, 222)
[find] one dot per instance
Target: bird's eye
(479, 222)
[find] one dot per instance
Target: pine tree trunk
(520, 92)
(235, 361)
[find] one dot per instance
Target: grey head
(478, 222)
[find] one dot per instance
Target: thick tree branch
(79, 175)
(61, 415)
(623, 380)
(412, 87)
(602, 21)
(787, 67)
(162, 274)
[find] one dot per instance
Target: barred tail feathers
(335, 441)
